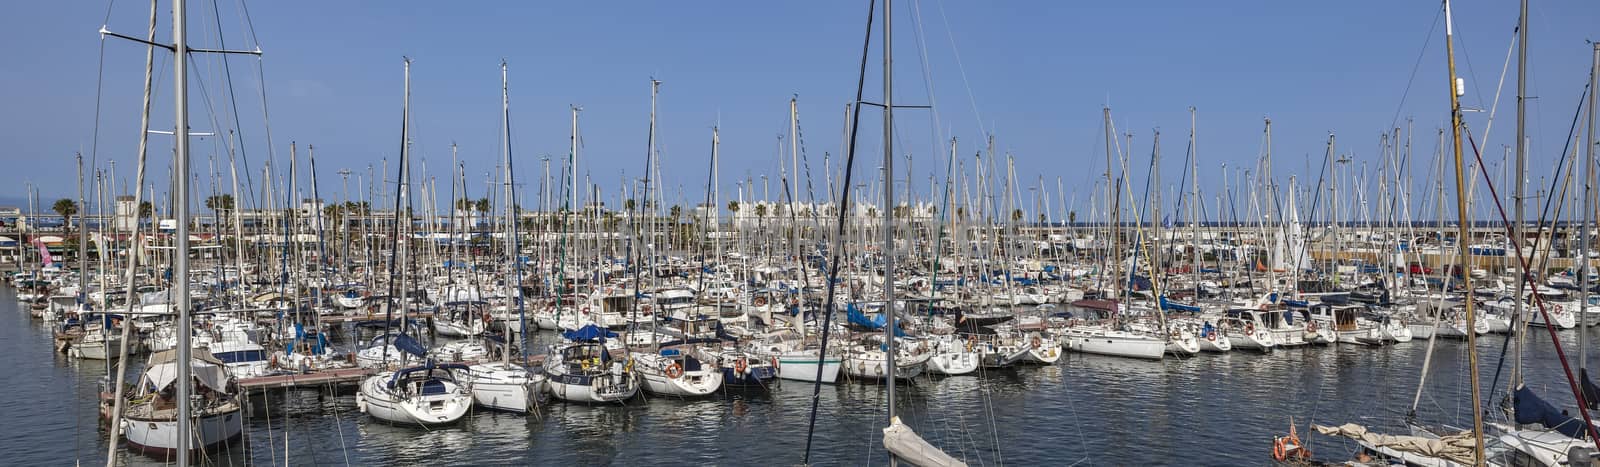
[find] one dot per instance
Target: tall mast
(1588, 199)
(513, 211)
(1194, 200)
(1111, 207)
(1456, 89)
(1516, 229)
(180, 267)
(794, 179)
(888, 202)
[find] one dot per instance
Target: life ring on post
(674, 370)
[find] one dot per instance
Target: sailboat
(585, 370)
(505, 385)
(428, 394)
(151, 421)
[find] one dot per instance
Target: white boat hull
(1117, 345)
(427, 409)
(161, 436)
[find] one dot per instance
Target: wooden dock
(342, 376)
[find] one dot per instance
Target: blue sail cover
(1531, 409)
(1175, 306)
(856, 317)
(589, 333)
(407, 344)
(1288, 317)
(1591, 393)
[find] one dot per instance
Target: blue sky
(1035, 74)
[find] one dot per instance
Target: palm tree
(676, 211)
(481, 205)
(147, 210)
(733, 206)
(1016, 215)
(628, 204)
(66, 208)
(761, 210)
(961, 213)
(1072, 217)
(220, 204)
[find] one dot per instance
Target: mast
(513, 247)
(1583, 232)
(794, 178)
(888, 202)
(1195, 202)
(1456, 89)
(1111, 207)
(180, 267)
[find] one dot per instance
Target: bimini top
(403, 373)
(163, 370)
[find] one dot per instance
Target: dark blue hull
(758, 377)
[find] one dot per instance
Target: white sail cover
(1455, 448)
(905, 445)
(163, 370)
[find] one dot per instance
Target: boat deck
(317, 378)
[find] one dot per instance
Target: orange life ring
(1211, 336)
(1249, 328)
(972, 341)
(646, 309)
(740, 366)
(1311, 326)
(774, 362)
(586, 310)
(273, 363)
(1278, 450)
(1036, 342)
(674, 370)
(760, 301)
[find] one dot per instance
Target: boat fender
(361, 402)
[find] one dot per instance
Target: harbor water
(1214, 409)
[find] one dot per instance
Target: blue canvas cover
(589, 333)
(1532, 409)
(409, 345)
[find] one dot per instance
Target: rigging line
(838, 240)
(971, 97)
(99, 90)
(927, 75)
(1555, 339)
(1415, 66)
(1497, 87)
(233, 101)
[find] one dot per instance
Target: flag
(44, 252)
